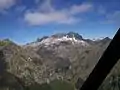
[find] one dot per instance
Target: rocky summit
(64, 59)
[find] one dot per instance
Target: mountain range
(61, 57)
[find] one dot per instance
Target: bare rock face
(79, 83)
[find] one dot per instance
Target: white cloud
(46, 14)
(46, 6)
(113, 17)
(80, 8)
(6, 4)
(37, 18)
(70, 20)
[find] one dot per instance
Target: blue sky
(25, 20)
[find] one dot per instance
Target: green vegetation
(40, 87)
(61, 85)
(54, 85)
(4, 43)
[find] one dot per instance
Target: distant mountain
(43, 38)
(58, 38)
(65, 56)
(59, 35)
(75, 35)
(69, 35)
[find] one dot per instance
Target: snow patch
(53, 40)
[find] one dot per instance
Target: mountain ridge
(70, 36)
(67, 59)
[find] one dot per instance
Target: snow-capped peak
(54, 39)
